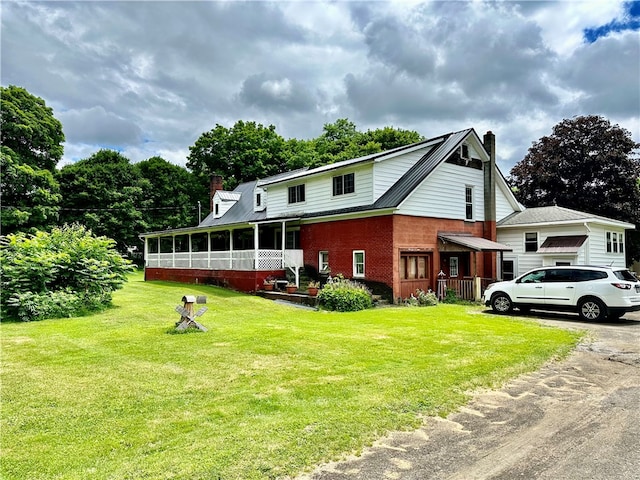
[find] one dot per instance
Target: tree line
(586, 164)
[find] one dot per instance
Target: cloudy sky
(148, 77)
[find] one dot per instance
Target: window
(323, 261)
(615, 242)
(507, 270)
(413, 266)
(181, 243)
(292, 239)
(217, 209)
(199, 242)
(468, 199)
(531, 242)
(358, 263)
(343, 184)
(453, 267)
(166, 244)
(258, 199)
(296, 193)
(152, 245)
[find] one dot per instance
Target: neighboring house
(546, 236)
(396, 219)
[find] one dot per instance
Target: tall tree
(242, 153)
(586, 164)
(106, 194)
(29, 196)
(28, 127)
(173, 193)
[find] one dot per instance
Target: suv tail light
(622, 286)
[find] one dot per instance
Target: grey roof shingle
(552, 214)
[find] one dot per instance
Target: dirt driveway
(575, 419)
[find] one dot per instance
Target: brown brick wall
(340, 238)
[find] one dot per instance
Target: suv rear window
(587, 275)
(625, 275)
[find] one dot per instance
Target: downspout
(587, 249)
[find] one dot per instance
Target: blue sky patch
(630, 21)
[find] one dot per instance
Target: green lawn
(269, 391)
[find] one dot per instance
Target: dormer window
(296, 194)
(258, 199)
(343, 184)
(217, 209)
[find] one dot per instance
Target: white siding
(598, 241)
(442, 194)
(319, 193)
(592, 252)
(387, 172)
(504, 208)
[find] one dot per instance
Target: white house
(545, 236)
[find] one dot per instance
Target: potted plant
(291, 287)
(312, 288)
(269, 283)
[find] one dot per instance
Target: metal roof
(475, 243)
(562, 244)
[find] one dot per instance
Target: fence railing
(261, 259)
(468, 288)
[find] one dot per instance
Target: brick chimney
(215, 185)
(489, 142)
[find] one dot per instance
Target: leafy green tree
(57, 274)
(30, 197)
(106, 194)
(389, 138)
(173, 194)
(29, 129)
(341, 141)
(586, 164)
(242, 153)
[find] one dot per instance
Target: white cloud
(147, 78)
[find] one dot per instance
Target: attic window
(464, 152)
(258, 199)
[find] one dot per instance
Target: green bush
(422, 299)
(344, 295)
(58, 274)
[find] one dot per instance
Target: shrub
(422, 299)
(344, 295)
(58, 274)
(450, 296)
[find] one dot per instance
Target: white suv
(595, 293)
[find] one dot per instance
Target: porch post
(256, 247)
(173, 251)
(190, 253)
(231, 249)
(284, 240)
(146, 252)
(208, 249)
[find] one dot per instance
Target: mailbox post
(188, 314)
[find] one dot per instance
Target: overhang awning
(475, 243)
(562, 244)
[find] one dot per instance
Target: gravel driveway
(575, 419)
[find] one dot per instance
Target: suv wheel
(501, 303)
(592, 309)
